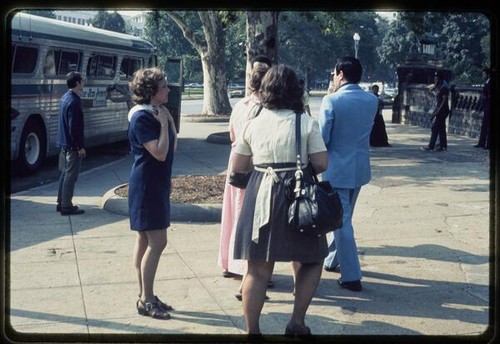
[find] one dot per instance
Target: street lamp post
(356, 38)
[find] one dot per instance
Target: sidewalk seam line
(79, 276)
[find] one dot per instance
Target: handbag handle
(297, 140)
(299, 173)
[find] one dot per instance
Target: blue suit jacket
(346, 120)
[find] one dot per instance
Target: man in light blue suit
(346, 119)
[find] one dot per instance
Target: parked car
(388, 95)
(236, 90)
(194, 85)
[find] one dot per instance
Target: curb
(205, 118)
(115, 204)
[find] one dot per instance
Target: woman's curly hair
(280, 89)
(145, 83)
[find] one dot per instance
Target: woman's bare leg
(157, 241)
(254, 292)
(141, 244)
(306, 282)
(295, 267)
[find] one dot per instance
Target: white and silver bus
(43, 51)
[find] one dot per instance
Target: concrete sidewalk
(422, 228)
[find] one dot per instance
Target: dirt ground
(192, 189)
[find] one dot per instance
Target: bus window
(67, 61)
(129, 66)
(101, 66)
(106, 66)
(24, 59)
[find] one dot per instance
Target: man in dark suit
(70, 139)
(484, 136)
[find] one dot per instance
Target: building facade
(75, 17)
(134, 20)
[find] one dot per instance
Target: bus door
(173, 70)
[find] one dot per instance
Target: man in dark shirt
(440, 113)
(71, 140)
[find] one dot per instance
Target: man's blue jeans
(342, 248)
(69, 165)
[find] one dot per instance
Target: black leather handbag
(239, 180)
(316, 208)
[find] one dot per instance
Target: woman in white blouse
(263, 236)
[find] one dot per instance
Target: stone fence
(414, 105)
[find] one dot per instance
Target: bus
(43, 51)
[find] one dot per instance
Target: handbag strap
(259, 110)
(299, 173)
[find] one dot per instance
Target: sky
(130, 13)
(384, 14)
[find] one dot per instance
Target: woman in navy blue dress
(152, 137)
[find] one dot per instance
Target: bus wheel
(32, 148)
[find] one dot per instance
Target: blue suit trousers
(342, 247)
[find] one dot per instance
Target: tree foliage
(462, 41)
(396, 44)
(235, 48)
(462, 46)
(168, 38)
(109, 21)
(329, 37)
(311, 42)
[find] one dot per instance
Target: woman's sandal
(297, 330)
(152, 309)
(161, 303)
(165, 306)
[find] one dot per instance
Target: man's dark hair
(351, 67)
(72, 78)
(262, 59)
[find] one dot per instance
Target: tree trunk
(262, 36)
(212, 54)
(213, 61)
